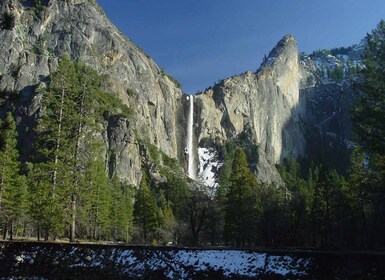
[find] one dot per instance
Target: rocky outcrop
(280, 105)
(34, 37)
(264, 105)
(327, 89)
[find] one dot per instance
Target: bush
(8, 21)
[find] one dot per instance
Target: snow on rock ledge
(208, 168)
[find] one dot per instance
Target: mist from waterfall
(190, 142)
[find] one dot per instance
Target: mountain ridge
(271, 106)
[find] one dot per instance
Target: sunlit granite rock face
(36, 37)
(280, 105)
(263, 105)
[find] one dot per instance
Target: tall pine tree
(242, 207)
(145, 210)
(13, 192)
(369, 128)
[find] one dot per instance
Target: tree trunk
(11, 229)
(73, 218)
(5, 230)
(1, 188)
(76, 183)
(46, 234)
(38, 232)
(58, 140)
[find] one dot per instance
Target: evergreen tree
(52, 171)
(97, 199)
(165, 217)
(145, 210)
(73, 107)
(13, 192)
(328, 212)
(242, 208)
(369, 127)
(122, 211)
(275, 218)
(369, 113)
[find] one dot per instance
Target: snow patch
(208, 167)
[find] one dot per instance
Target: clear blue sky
(199, 42)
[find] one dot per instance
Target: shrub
(8, 21)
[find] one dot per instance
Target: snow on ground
(179, 264)
(208, 167)
(174, 263)
(284, 265)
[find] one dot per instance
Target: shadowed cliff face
(29, 52)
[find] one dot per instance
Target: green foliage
(249, 148)
(7, 21)
(242, 207)
(130, 92)
(368, 115)
(154, 152)
(67, 160)
(13, 188)
(273, 226)
(96, 198)
(176, 191)
(320, 53)
(145, 210)
(122, 208)
(38, 7)
(159, 157)
(39, 47)
(369, 128)
(341, 50)
(336, 73)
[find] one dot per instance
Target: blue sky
(199, 42)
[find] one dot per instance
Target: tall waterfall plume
(190, 142)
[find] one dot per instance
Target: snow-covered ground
(173, 263)
(34, 260)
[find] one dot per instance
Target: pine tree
(73, 107)
(275, 220)
(165, 218)
(328, 210)
(242, 208)
(122, 211)
(369, 127)
(13, 193)
(98, 198)
(369, 111)
(52, 177)
(145, 210)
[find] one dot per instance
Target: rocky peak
(285, 49)
(263, 106)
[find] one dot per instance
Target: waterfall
(190, 143)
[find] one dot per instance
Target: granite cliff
(272, 108)
(35, 36)
(279, 107)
